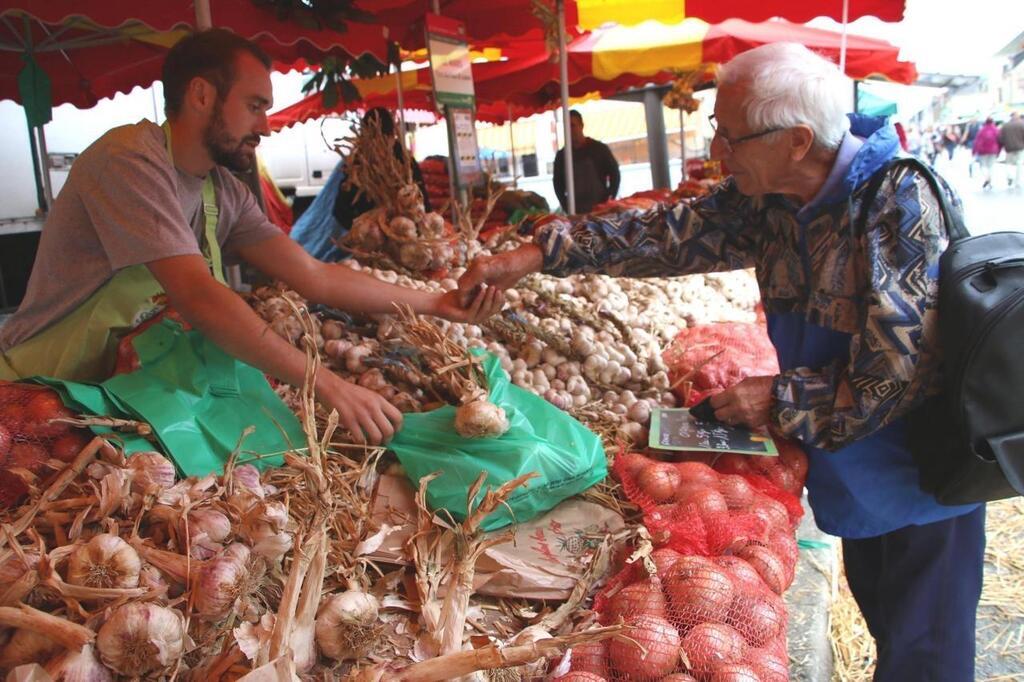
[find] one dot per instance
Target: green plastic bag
(197, 398)
(568, 457)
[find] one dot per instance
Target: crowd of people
(985, 140)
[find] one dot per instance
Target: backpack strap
(953, 218)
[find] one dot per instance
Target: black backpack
(968, 443)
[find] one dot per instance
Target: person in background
(1011, 136)
(986, 150)
(967, 140)
(595, 170)
(348, 206)
(950, 139)
(850, 289)
(914, 141)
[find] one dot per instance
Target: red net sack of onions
(716, 356)
(29, 436)
(711, 618)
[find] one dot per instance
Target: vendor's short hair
(210, 55)
(790, 86)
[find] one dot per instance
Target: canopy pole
(570, 188)
(401, 101)
(44, 159)
(512, 146)
(204, 19)
(842, 38)
(682, 147)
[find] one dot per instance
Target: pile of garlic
(620, 379)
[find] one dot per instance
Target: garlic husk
(154, 473)
(209, 522)
(345, 625)
(14, 567)
(222, 581)
(78, 666)
(480, 419)
(105, 561)
(27, 646)
(140, 637)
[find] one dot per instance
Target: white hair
(790, 86)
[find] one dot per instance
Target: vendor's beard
(224, 149)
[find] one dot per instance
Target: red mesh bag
(28, 436)
(713, 357)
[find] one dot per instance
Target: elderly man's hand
(748, 403)
(502, 271)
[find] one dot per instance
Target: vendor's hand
(502, 271)
(367, 416)
(748, 403)
(488, 301)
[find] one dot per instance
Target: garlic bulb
(105, 561)
(345, 625)
(480, 419)
(225, 580)
(141, 637)
(152, 472)
(79, 666)
(402, 228)
(209, 522)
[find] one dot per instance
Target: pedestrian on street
(986, 150)
(1011, 136)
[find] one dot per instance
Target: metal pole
(204, 19)
(512, 146)
(682, 147)
(842, 38)
(401, 103)
(33, 147)
(657, 141)
(44, 159)
(570, 186)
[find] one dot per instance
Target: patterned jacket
(851, 312)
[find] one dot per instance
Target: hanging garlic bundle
(228, 582)
(346, 625)
(141, 637)
(105, 561)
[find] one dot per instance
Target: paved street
(986, 210)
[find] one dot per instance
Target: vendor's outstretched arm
(225, 319)
(357, 292)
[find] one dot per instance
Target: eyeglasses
(730, 143)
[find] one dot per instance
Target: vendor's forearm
(357, 292)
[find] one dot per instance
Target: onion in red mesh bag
(30, 456)
(767, 564)
(758, 616)
(786, 479)
(632, 463)
(39, 410)
(793, 458)
(580, 676)
(679, 677)
(659, 481)
(707, 502)
(699, 594)
(734, 672)
(709, 645)
(744, 576)
(697, 472)
(784, 545)
(590, 657)
(770, 667)
(660, 641)
(12, 415)
(664, 559)
(66, 447)
(733, 463)
(639, 599)
(738, 493)
(772, 511)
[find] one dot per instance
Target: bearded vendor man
(151, 214)
(852, 310)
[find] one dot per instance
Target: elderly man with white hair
(851, 307)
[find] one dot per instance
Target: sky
(947, 36)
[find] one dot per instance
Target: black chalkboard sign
(676, 429)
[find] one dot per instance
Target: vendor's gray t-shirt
(124, 204)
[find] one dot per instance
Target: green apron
(82, 346)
